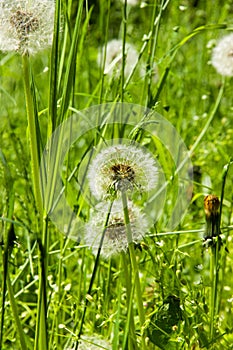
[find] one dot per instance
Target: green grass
(168, 292)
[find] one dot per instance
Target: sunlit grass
(168, 292)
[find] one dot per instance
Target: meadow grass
(168, 291)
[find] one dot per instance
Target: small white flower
(26, 25)
(115, 239)
(113, 64)
(222, 56)
(122, 168)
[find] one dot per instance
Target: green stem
(116, 324)
(214, 271)
(33, 132)
(134, 265)
(212, 294)
(41, 334)
(129, 332)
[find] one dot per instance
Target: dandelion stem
(134, 267)
(129, 340)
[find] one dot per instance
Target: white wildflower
(122, 168)
(113, 64)
(222, 56)
(26, 26)
(115, 239)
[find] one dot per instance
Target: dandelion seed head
(222, 56)
(26, 26)
(122, 168)
(115, 239)
(113, 64)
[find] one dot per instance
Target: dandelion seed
(26, 26)
(122, 168)
(222, 57)
(115, 239)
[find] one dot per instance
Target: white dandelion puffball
(26, 26)
(113, 64)
(222, 56)
(122, 168)
(115, 239)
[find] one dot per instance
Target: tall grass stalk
(35, 147)
(154, 31)
(7, 286)
(124, 22)
(16, 314)
(8, 240)
(34, 132)
(106, 26)
(93, 277)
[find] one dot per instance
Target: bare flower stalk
(213, 239)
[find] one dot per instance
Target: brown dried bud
(211, 205)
